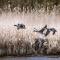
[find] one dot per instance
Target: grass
(20, 43)
(29, 5)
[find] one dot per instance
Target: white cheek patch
(45, 31)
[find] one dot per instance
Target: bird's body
(42, 30)
(47, 32)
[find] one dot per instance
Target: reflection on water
(30, 58)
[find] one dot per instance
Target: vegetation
(29, 5)
(25, 42)
(20, 44)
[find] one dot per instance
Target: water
(31, 58)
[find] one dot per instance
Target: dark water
(31, 58)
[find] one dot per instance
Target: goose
(20, 26)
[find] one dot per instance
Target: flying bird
(20, 26)
(47, 32)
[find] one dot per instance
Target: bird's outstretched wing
(42, 30)
(45, 26)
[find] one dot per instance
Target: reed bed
(15, 42)
(29, 5)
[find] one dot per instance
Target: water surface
(31, 58)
